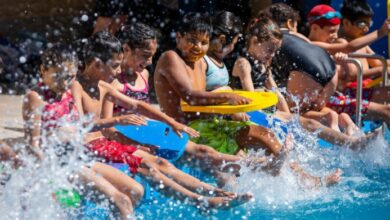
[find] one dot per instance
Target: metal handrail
(359, 89)
(375, 57)
(384, 76)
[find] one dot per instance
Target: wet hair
(281, 13)
(195, 22)
(101, 45)
(226, 23)
(57, 54)
(136, 35)
(354, 10)
(264, 28)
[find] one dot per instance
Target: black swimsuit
(298, 55)
(259, 74)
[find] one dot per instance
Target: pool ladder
(353, 58)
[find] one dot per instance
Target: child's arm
(114, 96)
(372, 62)
(242, 69)
(103, 122)
(356, 44)
(282, 103)
(172, 67)
(31, 111)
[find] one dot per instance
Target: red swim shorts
(116, 152)
(345, 103)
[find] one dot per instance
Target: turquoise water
(363, 193)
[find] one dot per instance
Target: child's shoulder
(32, 94)
(341, 40)
(169, 55)
(170, 60)
(33, 99)
(76, 86)
(241, 66)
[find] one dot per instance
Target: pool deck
(11, 122)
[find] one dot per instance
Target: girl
(226, 30)
(58, 69)
(103, 58)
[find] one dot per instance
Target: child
(355, 23)
(139, 46)
(251, 70)
(103, 58)
(226, 30)
(324, 30)
(58, 69)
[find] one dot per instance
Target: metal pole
(385, 80)
(359, 89)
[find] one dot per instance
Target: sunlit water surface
(364, 191)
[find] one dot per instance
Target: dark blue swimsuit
(296, 54)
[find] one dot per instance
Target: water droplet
(22, 59)
(84, 18)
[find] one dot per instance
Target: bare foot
(362, 142)
(225, 202)
(310, 181)
(333, 178)
(222, 193)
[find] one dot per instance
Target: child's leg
(326, 116)
(380, 112)
(256, 137)
(120, 181)
(347, 124)
(122, 202)
(208, 156)
(176, 190)
(166, 168)
(315, 181)
(333, 136)
(7, 154)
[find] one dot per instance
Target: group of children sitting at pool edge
(113, 88)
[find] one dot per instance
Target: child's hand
(238, 100)
(131, 119)
(178, 128)
(385, 29)
(340, 57)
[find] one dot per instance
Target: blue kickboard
(159, 134)
(264, 120)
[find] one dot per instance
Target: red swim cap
(324, 15)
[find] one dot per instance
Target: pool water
(363, 193)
